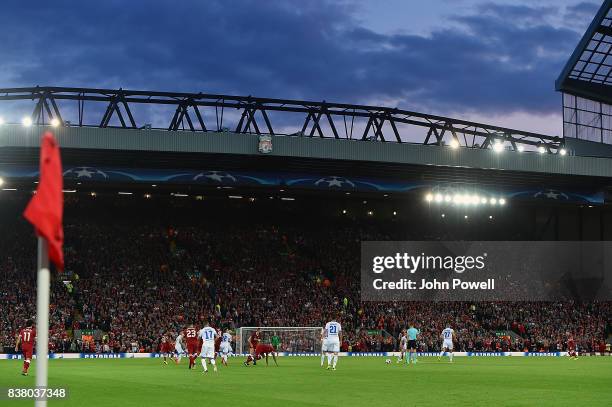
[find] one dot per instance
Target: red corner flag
(45, 210)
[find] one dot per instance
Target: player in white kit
(208, 335)
(179, 347)
(226, 346)
(403, 346)
(334, 336)
(448, 335)
(323, 345)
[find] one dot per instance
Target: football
(388, 361)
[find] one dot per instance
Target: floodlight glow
(454, 143)
(429, 197)
(490, 216)
(502, 201)
(563, 151)
(465, 217)
(438, 198)
(498, 147)
(443, 215)
(541, 150)
(343, 210)
(448, 198)
(493, 201)
(1, 121)
(1, 182)
(394, 213)
(457, 199)
(483, 200)
(54, 122)
(520, 149)
(26, 121)
(474, 200)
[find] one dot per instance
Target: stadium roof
(200, 112)
(588, 73)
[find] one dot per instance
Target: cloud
(583, 9)
(580, 15)
(500, 59)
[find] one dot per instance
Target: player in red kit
(191, 337)
(26, 339)
(253, 342)
(218, 343)
(264, 349)
(571, 348)
(166, 348)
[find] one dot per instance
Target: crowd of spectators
(135, 276)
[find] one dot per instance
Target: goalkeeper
(275, 342)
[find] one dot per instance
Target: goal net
(304, 339)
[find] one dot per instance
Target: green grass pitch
(300, 381)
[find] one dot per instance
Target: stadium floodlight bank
(293, 339)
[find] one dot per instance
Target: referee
(412, 344)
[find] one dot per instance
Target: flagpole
(42, 318)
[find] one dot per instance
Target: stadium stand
(134, 273)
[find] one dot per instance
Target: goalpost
(300, 339)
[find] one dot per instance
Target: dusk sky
(493, 61)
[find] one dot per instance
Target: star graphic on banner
(217, 176)
(551, 194)
(335, 182)
(83, 172)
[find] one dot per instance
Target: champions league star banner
(486, 271)
(323, 182)
(560, 196)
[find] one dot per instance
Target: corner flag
(45, 213)
(45, 210)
